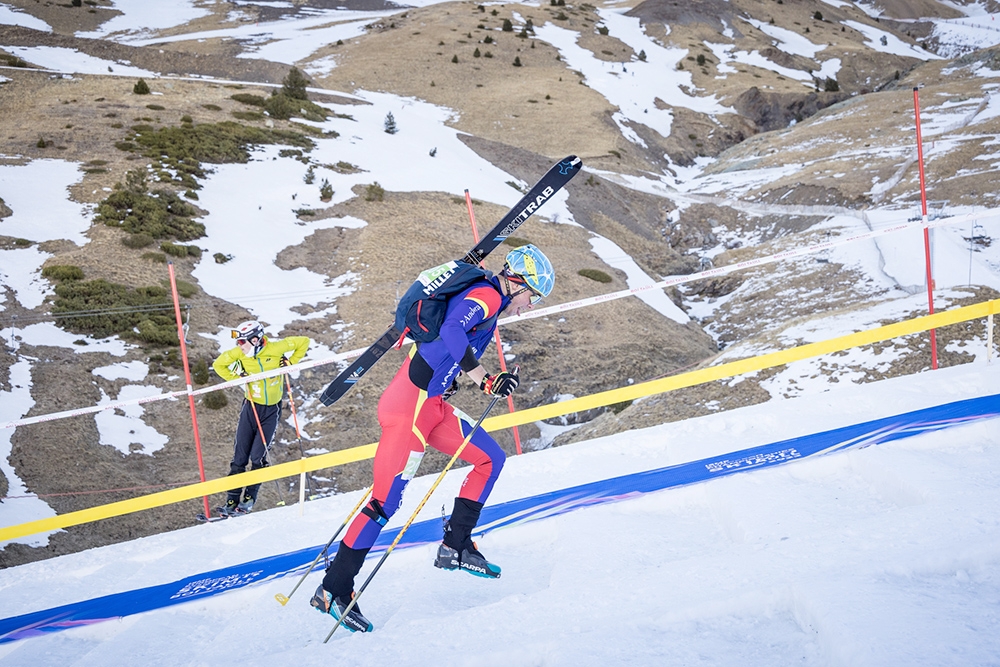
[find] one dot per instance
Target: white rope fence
(541, 312)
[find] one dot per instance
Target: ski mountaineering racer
(414, 414)
(255, 353)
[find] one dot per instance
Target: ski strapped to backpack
(554, 179)
(421, 311)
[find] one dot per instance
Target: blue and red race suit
(413, 413)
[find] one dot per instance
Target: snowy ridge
(873, 556)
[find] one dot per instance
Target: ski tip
(570, 165)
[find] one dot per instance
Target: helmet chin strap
(506, 283)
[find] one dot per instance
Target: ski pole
(298, 439)
(413, 516)
(267, 448)
(283, 599)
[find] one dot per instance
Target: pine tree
(294, 85)
(390, 124)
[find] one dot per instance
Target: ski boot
(470, 560)
(324, 602)
(245, 506)
(229, 509)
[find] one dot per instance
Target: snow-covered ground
(887, 555)
(882, 556)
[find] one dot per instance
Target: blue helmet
(532, 266)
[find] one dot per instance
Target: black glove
(501, 384)
(284, 362)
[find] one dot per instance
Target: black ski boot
(337, 590)
(458, 551)
(325, 602)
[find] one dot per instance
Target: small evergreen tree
(294, 85)
(141, 87)
(326, 191)
(642, 56)
(517, 61)
(508, 26)
(390, 124)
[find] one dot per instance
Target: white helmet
(251, 331)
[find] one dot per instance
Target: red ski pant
(411, 421)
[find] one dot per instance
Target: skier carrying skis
(413, 414)
(255, 353)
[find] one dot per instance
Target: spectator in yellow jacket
(255, 353)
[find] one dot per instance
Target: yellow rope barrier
(601, 399)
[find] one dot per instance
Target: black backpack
(421, 310)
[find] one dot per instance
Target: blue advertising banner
(510, 513)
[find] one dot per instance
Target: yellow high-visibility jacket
(269, 391)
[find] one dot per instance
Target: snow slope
(880, 556)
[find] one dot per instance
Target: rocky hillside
(818, 130)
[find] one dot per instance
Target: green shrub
(211, 107)
(140, 240)
(215, 400)
(831, 85)
(219, 143)
(199, 372)
(186, 119)
(159, 361)
(161, 214)
(507, 26)
(283, 107)
(516, 241)
(186, 290)
(374, 192)
(141, 87)
(595, 274)
(176, 250)
(247, 98)
(221, 258)
(60, 272)
(326, 191)
(517, 61)
(155, 107)
(157, 257)
(248, 115)
(125, 312)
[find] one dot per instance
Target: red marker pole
(927, 237)
(496, 332)
(187, 378)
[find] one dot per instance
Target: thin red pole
(187, 378)
(496, 332)
(927, 237)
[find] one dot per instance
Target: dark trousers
(251, 445)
